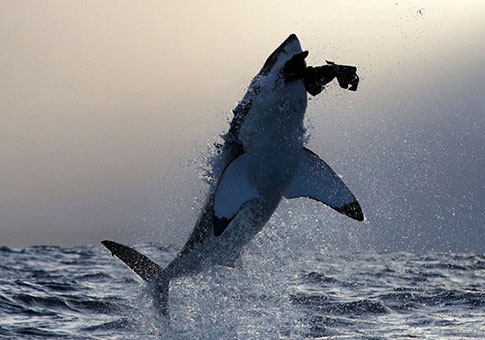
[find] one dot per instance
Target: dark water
(83, 293)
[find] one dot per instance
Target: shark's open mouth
(295, 68)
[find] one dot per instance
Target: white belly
(272, 136)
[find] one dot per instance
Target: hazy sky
(108, 109)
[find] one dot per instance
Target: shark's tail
(146, 269)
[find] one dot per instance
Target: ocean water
(274, 292)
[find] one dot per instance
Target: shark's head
(287, 61)
(284, 71)
(284, 66)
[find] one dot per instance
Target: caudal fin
(146, 269)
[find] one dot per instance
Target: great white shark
(262, 160)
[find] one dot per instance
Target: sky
(108, 111)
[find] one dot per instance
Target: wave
(82, 293)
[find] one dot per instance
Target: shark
(263, 159)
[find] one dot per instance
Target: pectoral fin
(316, 180)
(233, 191)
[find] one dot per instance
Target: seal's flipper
(347, 77)
(316, 180)
(233, 191)
(146, 269)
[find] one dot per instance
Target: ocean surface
(274, 292)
